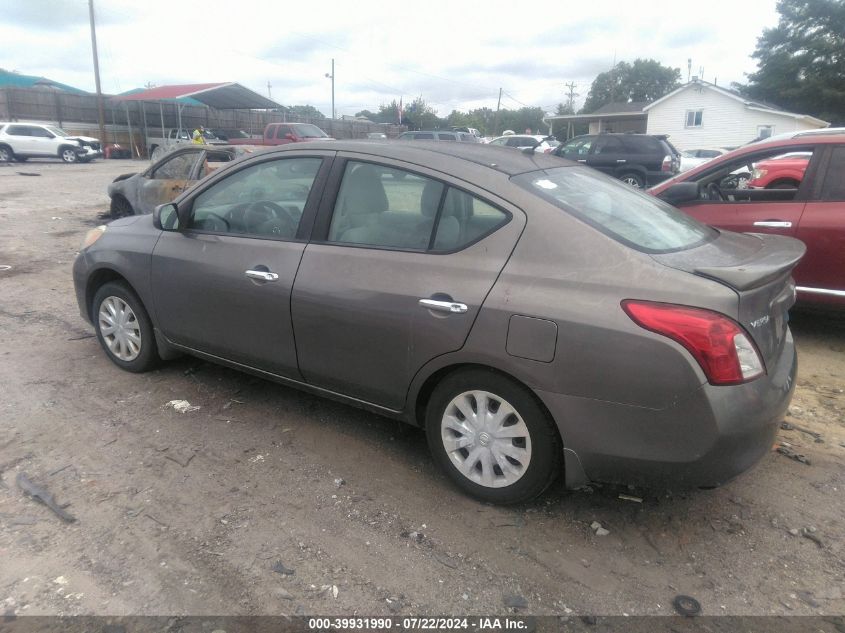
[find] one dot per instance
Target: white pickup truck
(173, 137)
(22, 141)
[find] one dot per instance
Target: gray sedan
(533, 315)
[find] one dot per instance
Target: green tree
(643, 80)
(418, 115)
(520, 120)
(307, 111)
(801, 62)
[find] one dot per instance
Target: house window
(694, 118)
(765, 131)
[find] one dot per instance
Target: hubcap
(486, 439)
(5, 156)
(69, 156)
(632, 181)
(120, 328)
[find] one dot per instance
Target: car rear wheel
(68, 155)
(492, 437)
(634, 179)
(6, 154)
(124, 328)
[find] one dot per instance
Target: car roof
(502, 159)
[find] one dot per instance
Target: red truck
(781, 172)
(283, 133)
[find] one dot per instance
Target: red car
(781, 172)
(810, 207)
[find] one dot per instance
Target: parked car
(284, 133)
(811, 209)
(167, 177)
(780, 172)
(638, 160)
(438, 135)
(531, 314)
(537, 142)
(376, 135)
(694, 157)
(157, 146)
(22, 141)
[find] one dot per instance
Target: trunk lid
(759, 269)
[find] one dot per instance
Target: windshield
(310, 131)
(617, 210)
(57, 130)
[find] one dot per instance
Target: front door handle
(451, 307)
(262, 275)
(774, 224)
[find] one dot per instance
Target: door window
(579, 146)
(608, 145)
(177, 168)
(18, 130)
(282, 131)
(424, 136)
(834, 181)
(392, 208)
(40, 132)
(446, 136)
(263, 200)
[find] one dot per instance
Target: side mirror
(166, 217)
(681, 192)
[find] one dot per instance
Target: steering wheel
(297, 192)
(262, 211)
(713, 192)
(213, 222)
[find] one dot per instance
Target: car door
(44, 142)
(396, 272)
(606, 154)
(22, 139)
(167, 180)
(222, 284)
(822, 228)
(578, 149)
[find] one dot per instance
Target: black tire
(6, 154)
(68, 154)
(147, 356)
(546, 451)
(784, 184)
(120, 207)
(633, 178)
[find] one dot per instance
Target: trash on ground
(183, 459)
(810, 533)
(40, 494)
(182, 406)
(29, 173)
(783, 449)
(788, 426)
(597, 527)
(280, 568)
(339, 482)
(686, 605)
(631, 498)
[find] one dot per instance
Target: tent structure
(220, 96)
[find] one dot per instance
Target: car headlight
(92, 236)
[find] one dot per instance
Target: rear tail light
(668, 164)
(720, 345)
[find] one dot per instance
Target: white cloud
(455, 54)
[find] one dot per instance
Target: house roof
(221, 96)
(732, 94)
(17, 80)
(622, 107)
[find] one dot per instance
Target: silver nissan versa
(534, 316)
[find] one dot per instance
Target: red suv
(806, 203)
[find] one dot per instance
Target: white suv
(20, 141)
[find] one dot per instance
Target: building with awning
(611, 117)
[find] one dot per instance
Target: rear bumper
(703, 440)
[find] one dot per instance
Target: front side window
(263, 200)
(282, 131)
(310, 131)
(579, 146)
(392, 208)
(694, 118)
(624, 214)
(177, 168)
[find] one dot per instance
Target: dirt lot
(189, 513)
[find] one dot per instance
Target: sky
(456, 55)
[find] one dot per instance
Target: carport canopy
(220, 96)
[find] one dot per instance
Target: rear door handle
(452, 307)
(774, 224)
(263, 275)
(621, 160)
(582, 160)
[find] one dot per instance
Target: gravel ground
(268, 501)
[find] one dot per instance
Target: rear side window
(424, 136)
(642, 145)
(177, 168)
(624, 214)
(18, 130)
(391, 208)
(447, 136)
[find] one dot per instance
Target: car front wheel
(633, 179)
(492, 437)
(124, 328)
(68, 155)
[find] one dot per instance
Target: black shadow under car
(534, 316)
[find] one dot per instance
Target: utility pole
(100, 114)
(332, 78)
(269, 91)
(570, 100)
(496, 118)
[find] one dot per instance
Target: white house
(700, 114)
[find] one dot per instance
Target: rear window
(636, 219)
